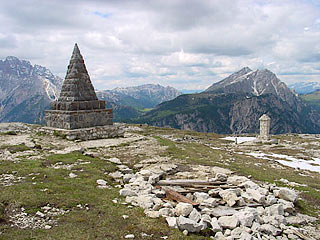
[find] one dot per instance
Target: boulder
(229, 222)
(188, 224)
(127, 177)
(145, 201)
(256, 195)
(200, 196)
(152, 214)
(183, 209)
(127, 192)
(287, 206)
(221, 211)
(230, 196)
(101, 182)
(247, 216)
(172, 222)
(195, 215)
(166, 212)
(237, 180)
(210, 202)
(245, 236)
(287, 194)
(271, 199)
(270, 230)
(274, 210)
(215, 227)
(250, 184)
(114, 160)
(221, 177)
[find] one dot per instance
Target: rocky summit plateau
(158, 183)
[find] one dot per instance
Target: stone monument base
(98, 132)
(78, 119)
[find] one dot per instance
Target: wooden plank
(302, 236)
(173, 195)
(188, 182)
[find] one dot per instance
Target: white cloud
(183, 43)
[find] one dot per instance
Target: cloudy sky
(187, 44)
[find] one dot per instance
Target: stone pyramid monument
(78, 106)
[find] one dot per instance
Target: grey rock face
(25, 90)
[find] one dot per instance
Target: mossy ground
(104, 218)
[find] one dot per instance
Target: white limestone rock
(247, 216)
(221, 177)
(188, 224)
(101, 182)
(116, 175)
(215, 227)
(200, 196)
(114, 160)
(229, 222)
(152, 214)
(274, 210)
(183, 209)
(256, 195)
(287, 194)
(221, 211)
(237, 180)
(245, 236)
(230, 196)
(127, 192)
(250, 184)
(271, 199)
(129, 236)
(166, 212)
(195, 215)
(72, 175)
(269, 229)
(210, 202)
(288, 207)
(127, 177)
(172, 222)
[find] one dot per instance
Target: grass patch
(12, 133)
(16, 148)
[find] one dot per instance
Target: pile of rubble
(43, 219)
(231, 206)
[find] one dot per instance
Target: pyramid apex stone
(77, 85)
(76, 52)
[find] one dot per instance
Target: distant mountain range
(232, 105)
(27, 90)
(235, 104)
(129, 102)
(305, 87)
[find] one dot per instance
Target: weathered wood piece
(173, 195)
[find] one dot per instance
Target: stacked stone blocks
(78, 106)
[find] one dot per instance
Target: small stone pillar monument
(78, 114)
(264, 127)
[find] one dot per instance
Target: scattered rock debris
(231, 206)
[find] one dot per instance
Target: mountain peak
(244, 70)
(257, 83)
(12, 59)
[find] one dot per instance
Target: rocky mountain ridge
(142, 96)
(305, 87)
(235, 104)
(25, 90)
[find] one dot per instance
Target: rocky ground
(53, 188)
